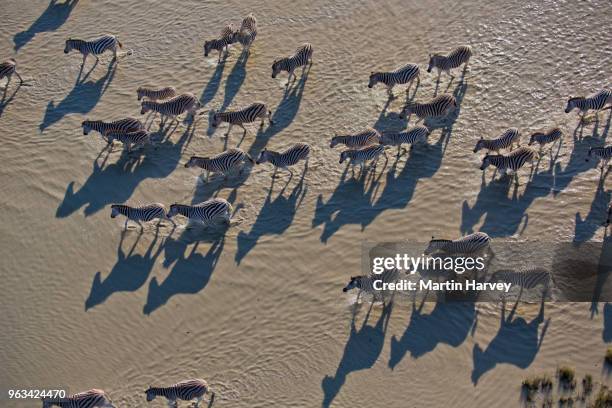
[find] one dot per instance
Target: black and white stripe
(458, 56)
(595, 102)
(187, 390)
(546, 137)
(8, 68)
(144, 213)
(124, 125)
(527, 279)
(601, 153)
(93, 47)
(246, 115)
(417, 134)
(505, 141)
(512, 161)
(468, 244)
(439, 106)
(365, 137)
(88, 399)
(186, 102)
(156, 94)
(138, 138)
(361, 156)
(301, 58)
(226, 38)
(221, 163)
(207, 212)
(248, 31)
(402, 75)
(284, 159)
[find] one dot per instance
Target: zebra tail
(119, 42)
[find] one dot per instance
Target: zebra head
(146, 107)
(432, 62)
(533, 137)
(174, 209)
(373, 79)
(479, 144)
(573, 103)
(485, 162)
(276, 67)
(406, 111)
(435, 245)
(344, 155)
(334, 141)
(150, 394)
(86, 125)
(215, 118)
(194, 160)
(207, 47)
(114, 210)
(69, 45)
(263, 157)
(140, 92)
(353, 283)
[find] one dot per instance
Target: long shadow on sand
(361, 351)
(604, 269)
(115, 183)
(275, 216)
(209, 92)
(83, 97)
(128, 275)
(6, 101)
(607, 318)
(516, 342)
(586, 228)
(51, 19)
(234, 80)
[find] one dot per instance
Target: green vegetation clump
(609, 355)
(587, 384)
(603, 399)
(567, 377)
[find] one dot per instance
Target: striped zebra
(226, 38)
(172, 108)
(362, 138)
(301, 58)
(185, 390)
(512, 161)
(370, 283)
(546, 137)
(469, 244)
(458, 56)
(601, 153)
(284, 159)
(144, 213)
(88, 399)
(245, 115)
(417, 134)
(596, 102)
(527, 279)
(93, 47)
(221, 163)
(156, 94)
(403, 75)
(361, 156)
(505, 141)
(138, 138)
(207, 212)
(439, 106)
(247, 32)
(7, 69)
(124, 125)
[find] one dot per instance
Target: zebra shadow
(234, 80)
(604, 269)
(517, 342)
(209, 92)
(361, 352)
(51, 19)
(578, 133)
(275, 216)
(127, 275)
(115, 183)
(448, 323)
(191, 269)
(504, 213)
(6, 101)
(585, 228)
(355, 201)
(83, 97)
(607, 327)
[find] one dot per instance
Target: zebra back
(546, 137)
(363, 154)
(156, 93)
(455, 58)
(205, 211)
(504, 141)
(465, 245)
(146, 212)
(366, 283)
(175, 106)
(87, 399)
(184, 390)
(527, 279)
(416, 134)
(288, 157)
(362, 138)
(221, 162)
(438, 106)
(96, 46)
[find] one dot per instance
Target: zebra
(513, 160)
(602, 153)
(207, 212)
(7, 69)
(154, 94)
(186, 102)
(469, 244)
(362, 138)
(144, 213)
(284, 159)
(527, 279)
(301, 58)
(138, 138)
(596, 102)
(361, 156)
(437, 107)
(368, 283)
(505, 141)
(226, 38)
(247, 32)
(417, 134)
(245, 115)
(93, 47)
(124, 125)
(548, 136)
(223, 162)
(403, 75)
(186, 390)
(88, 399)
(458, 56)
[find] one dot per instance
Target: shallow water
(258, 311)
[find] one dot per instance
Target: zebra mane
(440, 240)
(576, 98)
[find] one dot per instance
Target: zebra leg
(196, 404)
(126, 224)
(229, 129)
(84, 59)
(390, 92)
(19, 76)
(399, 149)
(243, 128)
